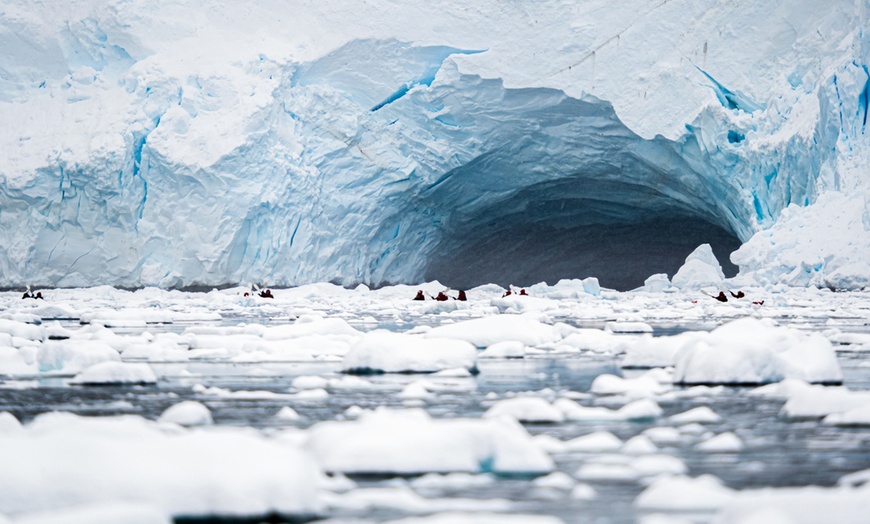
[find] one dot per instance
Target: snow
(643, 386)
(701, 269)
(387, 441)
(593, 442)
(490, 330)
(70, 356)
(798, 505)
(726, 442)
(109, 513)
(700, 415)
(287, 414)
(116, 373)
(681, 493)
(478, 518)
(383, 351)
(176, 472)
(748, 351)
(642, 409)
(506, 349)
(526, 409)
(187, 413)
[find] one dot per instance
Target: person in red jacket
(420, 295)
(441, 297)
(462, 296)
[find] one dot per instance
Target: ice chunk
(108, 513)
(726, 442)
(681, 493)
(194, 473)
(287, 414)
(187, 413)
(701, 269)
(106, 373)
(479, 518)
(643, 386)
(506, 349)
(656, 283)
(486, 331)
(382, 351)
(701, 415)
(807, 505)
(387, 441)
(751, 351)
(597, 441)
(526, 409)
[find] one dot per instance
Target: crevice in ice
(735, 137)
(864, 99)
(730, 99)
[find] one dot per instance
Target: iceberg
(169, 144)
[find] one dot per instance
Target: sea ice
(751, 351)
(383, 351)
(106, 373)
(680, 493)
(526, 409)
(386, 441)
(187, 413)
(181, 472)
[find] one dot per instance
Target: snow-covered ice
(564, 423)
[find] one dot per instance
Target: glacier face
(291, 142)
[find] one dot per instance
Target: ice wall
(160, 143)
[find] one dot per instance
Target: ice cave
(380, 156)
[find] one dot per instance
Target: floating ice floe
(627, 327)
(22, 330)
(526, 409)
(383, 351)
(726, 442)
(68, 357)
(701, 269)
(506, 349)
(388, 441)
(594, 442)
(287, 414)
(700, 415)
(656, 283)
(646, 385)
(479, 518)
(629, 469)
(203, 472)
(806, 505)
(643, 409)
(15, 361)
(651, 352)
(107, 373)
(596, 340)
(107, 513)
(680, 493)
(751, 351)
(805, 401)
(187, 413)
(486, 331)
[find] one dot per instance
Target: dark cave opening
(621, 256)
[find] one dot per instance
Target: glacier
(165, 143)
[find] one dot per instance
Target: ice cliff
(165, 143)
